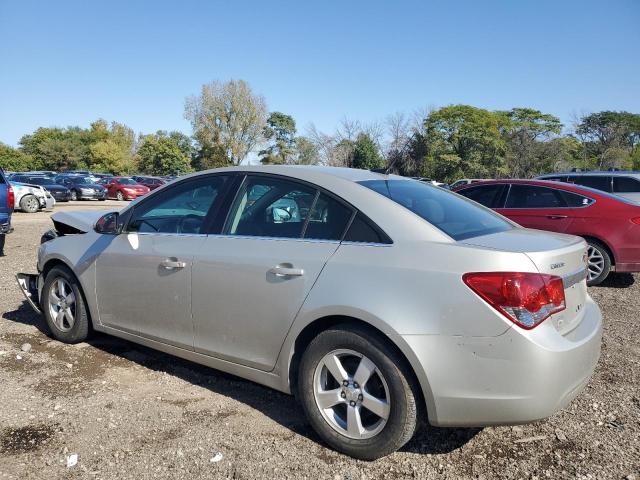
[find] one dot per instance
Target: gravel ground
(129, 412)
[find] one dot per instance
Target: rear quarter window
(455, 216)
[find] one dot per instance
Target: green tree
(227, 121)
(13, 160)
(160, 154)
(280, 131)
(611, 138)
(523, 130)
(306, 152)
(109, 157)
(464, 141)
(56, 148)
(366, 154)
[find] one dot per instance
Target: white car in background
(31, 198)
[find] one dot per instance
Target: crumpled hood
(81, 221)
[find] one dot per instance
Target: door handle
(286, 271)
(172, 264)
(556, 217)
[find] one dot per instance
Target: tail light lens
(11, 198)
(636, 220)
(526, 299)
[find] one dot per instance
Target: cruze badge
(557, 265)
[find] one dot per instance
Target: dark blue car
(6, 209)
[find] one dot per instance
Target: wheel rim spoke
(329, 398)
(375, 405)
(354, 421)
(334, 365)
(62, 301)
(364, 371)
(60, 319)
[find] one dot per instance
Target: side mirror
(108, 224)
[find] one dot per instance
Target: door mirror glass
(108, 224)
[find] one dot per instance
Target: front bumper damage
(28, 283)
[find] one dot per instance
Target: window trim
(593, 200)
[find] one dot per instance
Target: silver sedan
(377, 300)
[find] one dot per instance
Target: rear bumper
(517, 377)
(627, 267)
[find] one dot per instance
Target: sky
(70, 62)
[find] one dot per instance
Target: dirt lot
(129, 412)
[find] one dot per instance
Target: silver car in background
(377, 300)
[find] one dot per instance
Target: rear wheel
(355, 394)
(64, 307)
(598, 263)
(29, 204)
(120, 196)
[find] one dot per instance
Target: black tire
(101, 199)
(2, 239)
(403, 393)
(595, 246)
(81, 327)
(29, 204)
(74, 195)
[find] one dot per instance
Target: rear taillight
(11, 198)
(526, 299)
(636, 220)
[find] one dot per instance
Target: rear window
(626, 185)
(456, 216)
(598, 182)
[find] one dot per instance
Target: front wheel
(598, 263)
(120, 196)
(74, 195)
(64, 306)
(29, 204)
(355, 393)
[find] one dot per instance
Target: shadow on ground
(279, 407)
(618, 280)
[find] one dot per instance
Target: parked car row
(41, 189)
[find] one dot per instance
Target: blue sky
(70, 62)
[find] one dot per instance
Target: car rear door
(143, 276)
(535, 206)
(250, 280)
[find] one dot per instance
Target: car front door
(143, 277)
(538, 207)
(250, 281)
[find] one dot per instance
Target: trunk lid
(552, 253)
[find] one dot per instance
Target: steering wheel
(190, 223)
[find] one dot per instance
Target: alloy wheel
(32, 204)
(595, 262)
(351, 394)
(62, 305)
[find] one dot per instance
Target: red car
(123, 188)
(151, 182)
(610, 224)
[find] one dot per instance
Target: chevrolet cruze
(378, 300)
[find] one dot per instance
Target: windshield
(454, 215)
(41, 181)
(127, 181)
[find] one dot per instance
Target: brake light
(636, 220)
(526, 299)
(11, 198)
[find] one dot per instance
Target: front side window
(487, 195)
(456, 216)
(531, 196)
(626, 185)
(127, 181)
(268, 207)
(182, 209)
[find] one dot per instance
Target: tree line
(230, 123)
